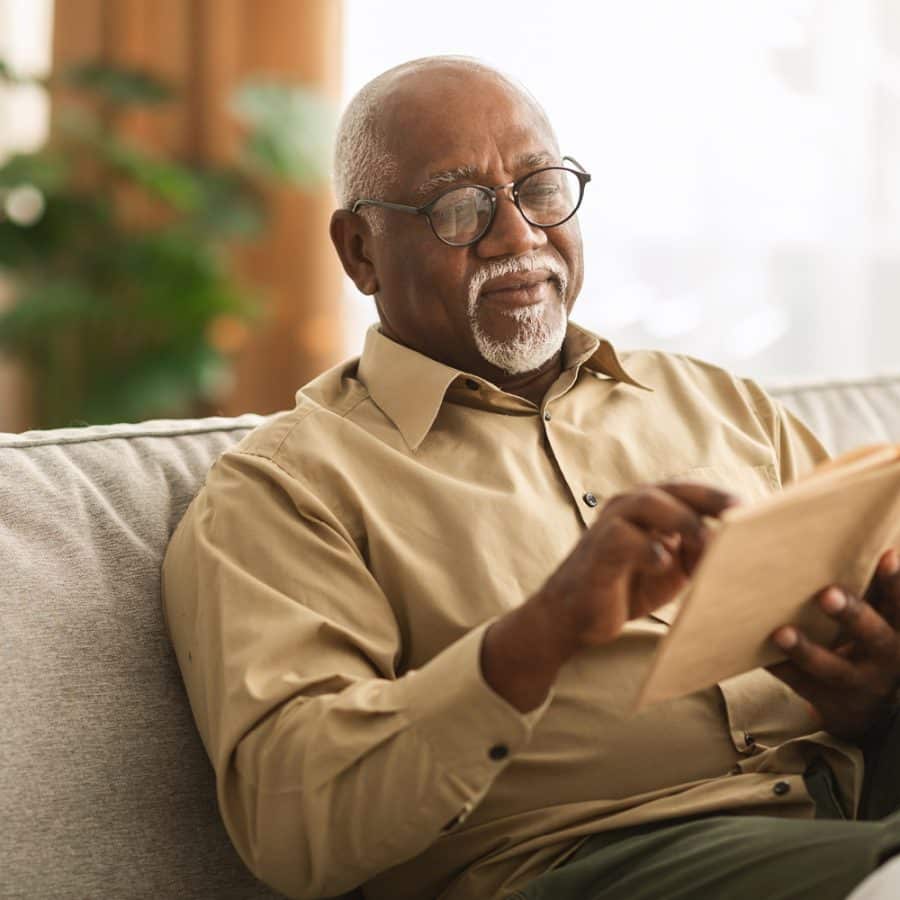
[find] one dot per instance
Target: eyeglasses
(460, 216)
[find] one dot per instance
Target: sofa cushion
(106, 789)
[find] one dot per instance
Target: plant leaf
(289, 131)
(45, 170)
(118, 84)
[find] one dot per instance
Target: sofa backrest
(846, 414)
(105, 789)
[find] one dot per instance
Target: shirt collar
(583, 348)
(409, 387)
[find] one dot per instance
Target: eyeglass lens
(462, 215)
(547, 197)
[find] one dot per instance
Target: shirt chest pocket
(747, 483)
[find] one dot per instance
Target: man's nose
(510, 234)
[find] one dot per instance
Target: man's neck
(534, 385)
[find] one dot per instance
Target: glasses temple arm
(402, 207)
(572, 159)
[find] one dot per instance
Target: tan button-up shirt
(328, 590)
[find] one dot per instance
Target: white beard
(540, 334)
(541, 328)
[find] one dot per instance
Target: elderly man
(412, 612)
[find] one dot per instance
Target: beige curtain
(206, 47)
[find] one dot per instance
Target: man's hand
(850, 687)
(636, 557)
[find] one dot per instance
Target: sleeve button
(498, 752)
(590, 499)
(459, 818)
(547, 417)
(471, 384)
(781, 788)
(456, 820)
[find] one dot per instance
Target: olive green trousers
(743, 857)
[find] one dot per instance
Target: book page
(764, 564)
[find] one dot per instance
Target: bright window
(745, 206)
(25, 41)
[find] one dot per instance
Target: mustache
(497, 268)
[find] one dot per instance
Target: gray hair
(363, 165)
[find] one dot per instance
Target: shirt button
(472, 384)
(590, 499)
(498, 752)
(547, 417)
(781, 788)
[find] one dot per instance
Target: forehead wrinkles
(522, 164)
(446, 176)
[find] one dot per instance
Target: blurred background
(164, 192)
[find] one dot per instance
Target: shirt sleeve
(798, 449)
(329, 766)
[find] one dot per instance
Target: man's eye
(541, 191)
(464, 207)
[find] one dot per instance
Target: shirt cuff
(471, 730)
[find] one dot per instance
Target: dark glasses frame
(491, 192)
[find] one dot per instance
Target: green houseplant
(123, 298)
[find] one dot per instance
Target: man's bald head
(365, 158)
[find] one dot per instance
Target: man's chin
(515, 323)
(521, 340)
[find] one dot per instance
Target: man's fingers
(884, 591)
(664, 550)
(657, 527)
(811, 659)
(658, 510)
(702, 498)
(800, 682)
(889, 564)
(861, 623)
(655, 511)
(661, 509)
(670, 541)
(673, 507)
(657, 556)
(629, 545)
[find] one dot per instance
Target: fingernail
(663, 557)
(785, 638)
(892, 562)
(834, 600)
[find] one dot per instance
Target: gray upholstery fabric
(105, 790)
(846, 414)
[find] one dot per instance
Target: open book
(765, 561)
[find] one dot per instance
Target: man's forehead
(440, 175)
(447, 124)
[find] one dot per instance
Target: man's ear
(351, 237)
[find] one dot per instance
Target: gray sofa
(105, 790)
